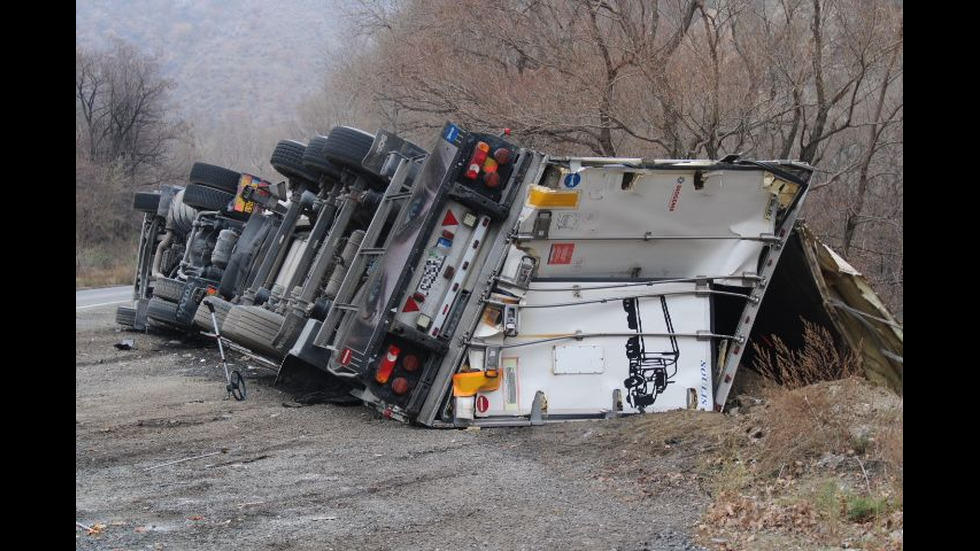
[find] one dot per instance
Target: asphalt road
(91, 298)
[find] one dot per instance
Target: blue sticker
(573, 180)
(443, 242)
(451, 134)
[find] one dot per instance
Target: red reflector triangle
(411, 305)
(450, 219)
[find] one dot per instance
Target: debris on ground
(93, 530)
(125, 344)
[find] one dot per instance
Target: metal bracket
(617, 404)
(491, 359)
(542, 225)
(511, 320)
(539, 408)
(701, 288)
(524, 271)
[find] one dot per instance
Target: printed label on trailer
(561, 253)
(676, 195)
(705, 387)
(566, 220)
(431, 271)
(510, 384)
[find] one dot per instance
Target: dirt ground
(261, 475)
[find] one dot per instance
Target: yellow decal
(541, 197)
(246, 181)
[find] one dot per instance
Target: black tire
(215, 177)
(253, 327)
(168, 289)
(347, 146)
(162, 311)
(126, 315)
(314, 158)
(146, 201)
(202, 317)
(287, 159)
(206, 198)
(181, 215)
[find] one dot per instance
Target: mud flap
(303, 355)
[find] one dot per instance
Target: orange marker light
(387, 365)
(480, 153)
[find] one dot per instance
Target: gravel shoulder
(333, 477)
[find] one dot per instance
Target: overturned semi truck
(481, 283)
(515, 288)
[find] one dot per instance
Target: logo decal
(647, 367)
(561, 253)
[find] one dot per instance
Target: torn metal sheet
(814, 283)
(858, 314)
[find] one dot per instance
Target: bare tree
(816, 80)
(125, 137)
(121, 109)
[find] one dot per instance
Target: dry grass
(848, 418)
(819, 360)
(108, 264)
(118, 275)
(815, 466)
(802, 425)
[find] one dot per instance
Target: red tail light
(501, 155)
(491, 179)
(400, 385)
(410, 362)
(387, 364)
(480, 153)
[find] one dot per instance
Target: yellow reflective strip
(542, 197)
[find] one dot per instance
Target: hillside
(240, 65)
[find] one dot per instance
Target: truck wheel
(168, 289)
(347, 146)
(181, 216)
(202, 318)
(162, 311)
(315, 158)
(215, 177)
(146, 201)
(206, 198)
(287, 159)
(126, 315)
(254, 327)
